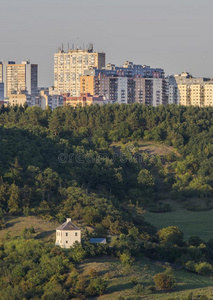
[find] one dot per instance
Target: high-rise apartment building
(172, 90)
(19, 78)
(22, 78)
(70, 66)
(190, 90)
(122, 89)
(208, 93)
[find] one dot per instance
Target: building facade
(126, 90)
(70, 66)
(67, 234)
(19, 78)
(83, 100)
(187, 90)
(1, 91)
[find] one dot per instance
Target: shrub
(165, 281)
(139, 289)
(190, 265)
(134, 280)
(126, 259)
(97, 286)
(171, 235)
(203, 297)
(203, 268)
(93, 273)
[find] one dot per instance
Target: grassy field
(43, 229)
(191, 223)
(120, 283)
(152, 148)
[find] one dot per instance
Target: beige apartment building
(19, 78)
(16, 99)
(70, 66)
(95, 85)
(16, 82)
(184, 94)
(195, 91)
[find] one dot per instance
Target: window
(66, 242)
(76, 234)
(66, 233)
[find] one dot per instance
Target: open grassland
(191, 223)
(16, 225)
(152, 148)
(120, 282)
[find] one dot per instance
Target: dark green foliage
(32, 269)
(63, 163)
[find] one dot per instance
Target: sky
(172, 34)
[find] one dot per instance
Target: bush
(165, 281)
(171, 235)
(126, 259)
(139, 289)
(203, 297)
(203, 268)
(93, 273)
(190, 265)
(97, 286)
(134, 280)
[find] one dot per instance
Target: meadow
(191, 223)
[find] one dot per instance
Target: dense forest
(86, 163)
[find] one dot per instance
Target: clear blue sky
(173, 34)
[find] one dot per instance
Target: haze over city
(174, 35)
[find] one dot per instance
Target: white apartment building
(122, 96)
(157, 91)
(67, 234)
(70, 66)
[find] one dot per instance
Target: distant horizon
(174, 36)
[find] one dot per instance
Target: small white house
(67, 234)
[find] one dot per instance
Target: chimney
(69, 220)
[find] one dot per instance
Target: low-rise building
(16, 99)
(83, 100)
(98, 241)
(67, 234)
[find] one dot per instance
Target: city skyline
(173, 36)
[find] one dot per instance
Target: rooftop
(68, 225)
(98, 240)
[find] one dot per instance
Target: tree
(165, 281)
(13, 202)
(146, 179)
(126, 259)
(171, 235)
(97, 286)
(203, 268)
